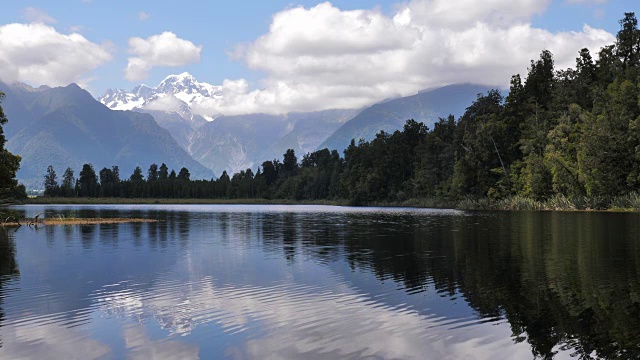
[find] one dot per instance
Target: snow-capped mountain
(169, 103)
(236, 142)
(176, 93)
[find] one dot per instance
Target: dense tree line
(574, 132)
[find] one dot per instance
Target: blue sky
(217, 28)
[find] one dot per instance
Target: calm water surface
(307, 282)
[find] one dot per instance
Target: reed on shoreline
(629, 202)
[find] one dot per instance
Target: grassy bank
(629, 202)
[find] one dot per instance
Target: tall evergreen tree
(290, 163)
(88, 182)
(628, 40)
(163, 174)
(152, 174)
(115, 170)
(107, 183)
(137, 176)
(50, 182)
(68, 183)
(184, 174)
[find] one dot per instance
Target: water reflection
(318, 282)
(8, 267)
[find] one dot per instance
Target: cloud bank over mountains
(325, 57)
(354, 58)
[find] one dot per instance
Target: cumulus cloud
(36, 15)
(324, 57)
(165, 103)
(142, 16)
(165, 49)
(38, 54)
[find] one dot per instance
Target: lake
(321, 282)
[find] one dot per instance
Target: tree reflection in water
(8, 266)
(563, 281)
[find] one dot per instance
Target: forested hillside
(569, 134)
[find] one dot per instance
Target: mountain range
(238, 142)
(66, 126)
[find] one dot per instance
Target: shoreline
(162, 201)
(629, 203)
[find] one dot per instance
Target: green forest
(560, 138)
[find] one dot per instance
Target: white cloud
(142, 16)
(36, 15)
(165, 103)
(38, 54)
(165, 49)
(323, 57)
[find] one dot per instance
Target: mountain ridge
(391, 115)
(66, 127)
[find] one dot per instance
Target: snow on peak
(119, 99)
(183, 87)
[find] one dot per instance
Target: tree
(152, 174)
(137, 182)
(68, 182)
(50, 182)
(137, 177)
(607, 149)
(539, 83)
(269, 172)
(116, 173)
(9, 165)
(88, 182)
(184, 174)
(480, 140)
(107, 182)
(164, 173)
(290, 162)
(628, 40)
(224, 184)
(585, 79)
(561, 154)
